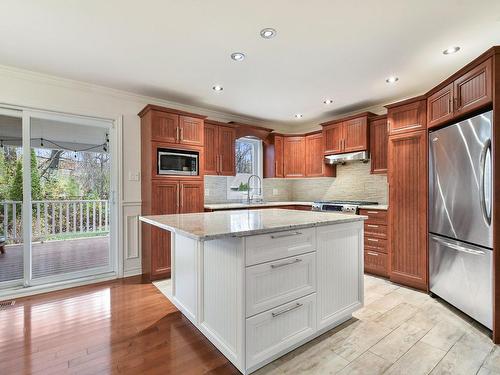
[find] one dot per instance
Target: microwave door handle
(482, 197)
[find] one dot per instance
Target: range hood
(362, 156)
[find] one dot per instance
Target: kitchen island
(259, 283)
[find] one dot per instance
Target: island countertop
(205, 226)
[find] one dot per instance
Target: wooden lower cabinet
(408, 211)
(168, 197)
(375, 242)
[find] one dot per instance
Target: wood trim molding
(154, 107)
(351, 117)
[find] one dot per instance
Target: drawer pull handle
(372, 239)
(285, 235)
(297, 260)
(370, 253)
(372, 212)
(297, 305)
(372, 226)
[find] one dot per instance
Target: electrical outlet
(207, 192)
(275, 192)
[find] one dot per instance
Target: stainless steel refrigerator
(460, 209)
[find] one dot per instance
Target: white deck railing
(53, 217)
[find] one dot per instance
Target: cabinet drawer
(375, 216)
(375, 230)
(275, 330)
(273, 246)
(376, 263)
(271, 284)
(377, 244)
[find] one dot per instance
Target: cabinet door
(474, 89)
(191, 197)
(339, 288)
(355, 135)
(407, 117)
(278, 156)
(227, 138)
(191, 131)
(165, 197)
(378, 145)
(211, 149)
(164, 127)
(440, 106)
(294, 155)
(408, 210)
(333, 135)
(314, 155)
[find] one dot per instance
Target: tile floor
(399, 331)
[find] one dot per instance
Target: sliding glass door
(61, 199)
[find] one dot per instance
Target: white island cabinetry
(257, 295)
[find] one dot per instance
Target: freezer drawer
(461, 274)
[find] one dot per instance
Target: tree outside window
(248, 159)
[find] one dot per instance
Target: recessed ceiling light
(451, 50)
(268, 33)
(328, 101)
(238, 56)
(392, 79)
(298, 115)
(217, 88)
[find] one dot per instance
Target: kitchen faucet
(249, 200)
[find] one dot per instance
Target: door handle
(297, 305)
(457, 247)
(296, 260)
(220, 162)
(372, 226)
(177, 137)
(371, 253)
(482, 198)
(182, 198)
(217, 164)
(276, 236)
(372, 239)
(181, 134)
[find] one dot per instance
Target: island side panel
(185, 274)
(222, 293)
(340, 273)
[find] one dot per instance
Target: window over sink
(248, 161)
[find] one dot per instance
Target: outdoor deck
(56, 257)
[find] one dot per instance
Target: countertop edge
(348, 219)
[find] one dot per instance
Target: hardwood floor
(119, 327)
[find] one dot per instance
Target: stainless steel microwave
(178, 162)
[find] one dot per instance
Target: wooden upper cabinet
(314, 155)
(191, 131)
(211, 149)
(440, 106)
(190, 197)
(294, 151)
(355, 134)
(407, 116)
(164, 127)
(474, 89)
(226, 142)
(219, 149)
(408, 209)
(278, 156)
(333, 136)
(378, 144)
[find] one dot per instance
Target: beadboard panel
(339, 289)
(185, 262)
(271, 284)
(222, 301)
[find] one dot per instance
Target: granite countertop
(206, 226)
(384, 207)
(226, 206)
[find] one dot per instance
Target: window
(248, 161)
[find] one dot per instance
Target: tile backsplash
(353, 181)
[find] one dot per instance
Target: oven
(178, 162)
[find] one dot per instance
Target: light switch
(134, 176)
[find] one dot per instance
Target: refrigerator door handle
(457, 247)
(482, 198)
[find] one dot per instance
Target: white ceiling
(177, 50)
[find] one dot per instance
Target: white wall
(29, 89)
